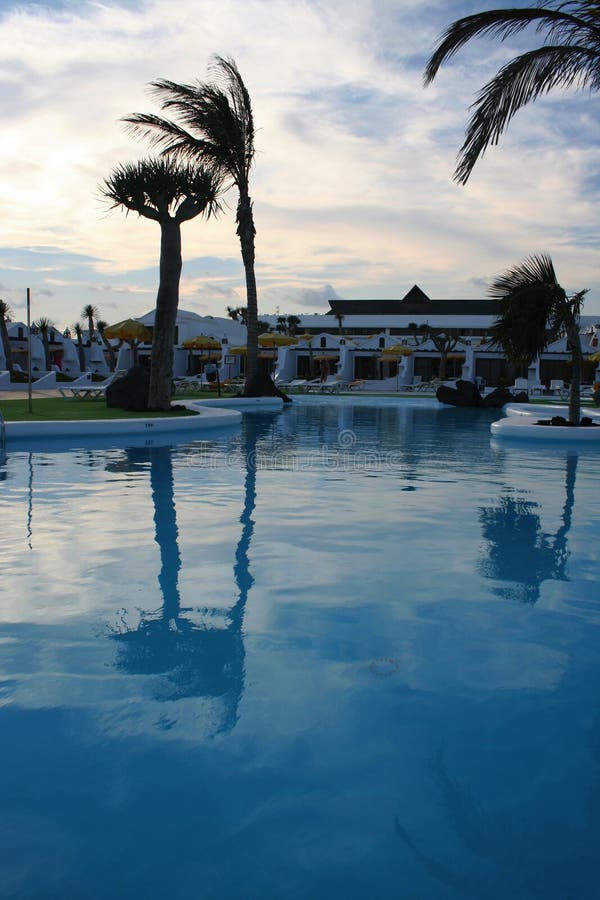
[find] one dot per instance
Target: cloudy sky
(352, 188)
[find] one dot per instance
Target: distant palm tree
(44, 326)
(5, 317)
(169, 193)
(112, 362)
(218, 130)
(80, 350)
(238, 313)
(570, 57)
(90, 313)
(534, 311)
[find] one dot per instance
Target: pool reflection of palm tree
(518, 551)
(198, 661)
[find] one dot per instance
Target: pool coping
(203, 420)
(518, 423)
(210, 413)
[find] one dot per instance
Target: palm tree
(90, 312)
(80, 351)
(534, 311)
(569, 57)
(169, 193)
(5, 317)
(112, 362)
(287, 325)
(238, 313)
(44, 325)
(218, 130)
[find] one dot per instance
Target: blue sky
(352, 188)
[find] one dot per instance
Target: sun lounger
(558, 389)
(332, 385)
(312, 387)
(88, 390)
(187, 384)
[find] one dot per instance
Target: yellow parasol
(397, 350)
(128, 330)
(274, 339)
(202, 342)
(595, 357)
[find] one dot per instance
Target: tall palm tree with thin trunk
(169, 193)
(534, 311)
(112, 357)
(80, 350)
(90, 312)
(5, 317)
(217, 129)
(569, 57)
(44, 326)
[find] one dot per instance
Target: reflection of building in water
(196, 660)
(518, 552)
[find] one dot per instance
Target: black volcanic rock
(466, 394)
(131, 391)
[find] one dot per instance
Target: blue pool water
(350, 651)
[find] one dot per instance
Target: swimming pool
(351, 651)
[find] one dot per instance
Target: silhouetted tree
(217, 130)
(170, 194)
(534, 311)
(5, 317)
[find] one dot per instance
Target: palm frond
(533, 308)
(5, 310)
(153, 187)
(517, 84)
(564, 23)
(535, 269)
(217, 121)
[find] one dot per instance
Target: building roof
(415, 303)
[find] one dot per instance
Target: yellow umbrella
(274, 339)
(128, 330)
(237, 351)
(397, 350)
(595, 357)
(202, 342)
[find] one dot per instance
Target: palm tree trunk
(6, 344)
(46, 344)
(443, 359)
(80, 353)
(246, 233)
(111, 352)
(161, 363)
(574, 344)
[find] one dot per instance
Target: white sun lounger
(88, 390)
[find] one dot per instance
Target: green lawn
(47, 409)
